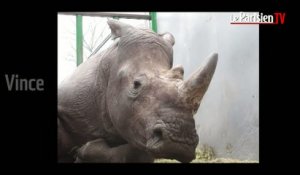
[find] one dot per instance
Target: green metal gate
(79, 29)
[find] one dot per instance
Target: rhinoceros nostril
(158, 133)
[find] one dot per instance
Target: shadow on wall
(228, 119)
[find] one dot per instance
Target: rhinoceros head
(149, 103)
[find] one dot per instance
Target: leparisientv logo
(277, 18)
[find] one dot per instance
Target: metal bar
(108, 14)
(153, 21)
(79, 40)
(99, 47)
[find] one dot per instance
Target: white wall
(228, 118)
(66, 46)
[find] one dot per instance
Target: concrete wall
(228, 118)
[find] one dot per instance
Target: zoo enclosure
(228, 118)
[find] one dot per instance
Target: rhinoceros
(129, 104)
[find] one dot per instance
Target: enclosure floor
(217, 160)
(205, 154)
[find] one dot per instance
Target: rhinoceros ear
(118, 28)
(169, 38)
(176, 72)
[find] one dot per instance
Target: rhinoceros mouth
(171, 150)
(162, 145)
(154, 144)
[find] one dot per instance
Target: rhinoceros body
(128, 104)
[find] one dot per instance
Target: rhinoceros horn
(194, 88)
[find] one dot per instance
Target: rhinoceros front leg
(98, 151)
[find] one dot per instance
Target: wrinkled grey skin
(128, 104)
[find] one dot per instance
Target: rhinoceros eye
(135, 89)
(136, 84)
